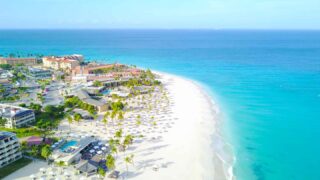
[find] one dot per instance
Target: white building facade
(16, 116)
(9, 148)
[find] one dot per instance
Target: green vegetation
(17, 75)
(134, 82)
(76, 102)
(114, 68)
(128, 160)
(11, 168)
(36, 107)
(41, 151)
(44, 82)
(46, 151)
(60, 163)
(5, 66)
(110, 162)
(101, 172)
(46, 120)
(10, 98)
(77, 117)
(23, 132)
(2, 89)
(117, 106)
(97, 84)
(49, 118)
(2, 122)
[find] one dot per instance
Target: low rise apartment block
(16, 116)
(60, 63)
(9, 148)
(16, 61)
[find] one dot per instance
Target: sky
(163, 14)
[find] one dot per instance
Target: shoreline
(222, 155)
(191, 147)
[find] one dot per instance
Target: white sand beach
(183, 143)
(187, 148)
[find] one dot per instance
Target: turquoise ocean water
(267, 84)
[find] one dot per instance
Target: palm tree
(70, 120)
(95, 117)
(101, 172)
(113, 115)
(128, 139)
(138, 122)
(128, 160)
(106, 115)
(45, 151)
(120, 115)
(110, 162)
(77, 117)
(119, 134)
(105, 122)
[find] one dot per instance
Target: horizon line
(192, 29)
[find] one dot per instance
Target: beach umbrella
(42, 169)
(100, 143)
(32, 176)
(96, 147)
(51, 173)
(104, 148)
(66, 174)
(99, 152)
(91, 151)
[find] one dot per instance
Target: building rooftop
(31, 69)
(84, 96)
(5, 134)
(9, 111)
(60, 59)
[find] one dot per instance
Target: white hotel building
(9, 148)
(16, 116)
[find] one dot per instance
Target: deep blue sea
(267, 84)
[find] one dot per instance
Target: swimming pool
(68, 144)
(105, 92)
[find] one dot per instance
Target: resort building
(77, 57)
(103, 72)
(37, 73)
(36, 140)
(105, 69)
(85, 97)
(9, 148)
(5, 87)
(16, 116)
(94, 68)
(70, 151)
(58, 63)
(15, 61)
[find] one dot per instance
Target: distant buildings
(9, 148)
(5, 87)
(77, 57)
(58, 63)
(16, 61)
(103, 73)
(37, 73)
(95, 68)
(16, 116)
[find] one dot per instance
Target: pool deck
(68, 158)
